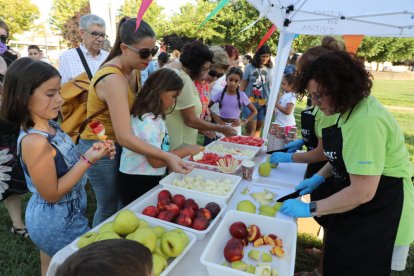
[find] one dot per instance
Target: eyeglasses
(96, 34)
(144, 52)
(316, 98)
(214, 74)
(3, 38)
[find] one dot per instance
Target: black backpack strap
(85, 64)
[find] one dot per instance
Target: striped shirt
(70, 64)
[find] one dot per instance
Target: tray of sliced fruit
(259, 199)
(242, 152)
(218, 186)
(246, 244)
(189, 211)
(167, 244)
(216, 162)
(244, 140)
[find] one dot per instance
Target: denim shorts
(52, 226)
(261, 112)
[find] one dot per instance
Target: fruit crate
(233, 147)
(206, 175)
(172, 262)
(213, 257)
(214, 168)
(201, 200)
(253, 187)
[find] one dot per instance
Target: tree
(19, 15)
(70, 31)
(153, 16)
(62, 10)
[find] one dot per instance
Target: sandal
(310, 273)
(20, 231)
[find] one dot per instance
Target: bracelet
(86, 160)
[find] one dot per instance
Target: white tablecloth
(286, 176)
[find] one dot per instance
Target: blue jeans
(261, 112)
(103, 177)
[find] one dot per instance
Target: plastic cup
(247, 169)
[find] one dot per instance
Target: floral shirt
(203, 89)
(154, 132)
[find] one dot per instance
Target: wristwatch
(313, 208)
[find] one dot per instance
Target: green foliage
(391, 49)
(153, 15)
(70, 31)
(63, 10)
(19, 15)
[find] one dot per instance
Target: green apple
(251, 269)
(158, 231)
(239, 265)
(107, 236)
(265, 169)
(263, 269)
(125, 222)
(254, 254)
(183, 235)
(159, 263)
(158, 249)
(266, 257)
(267, 209)
(272, 165)
(172, 244)
(277, 206)
(145, 236)
(86, 239)
(267, 214)
(142, 223)
(275, 272)
(246, 206)
(107, 227)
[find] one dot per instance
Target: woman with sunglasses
(114, 89)
(256, 84)
(218, 67)
(184, 122)
(9, 55)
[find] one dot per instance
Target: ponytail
(222, 95)
(116, 48)
(238, 98)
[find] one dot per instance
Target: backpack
(75, 96)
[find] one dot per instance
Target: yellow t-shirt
(94, 104)
(179, 133)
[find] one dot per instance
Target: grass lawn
(20, 257)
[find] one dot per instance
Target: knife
(278, 150)
(289, 196)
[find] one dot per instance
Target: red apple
(189, 212)
(233, 251)
(214, 208)
(150, 211)
(164, 194)
(190, 203)
(184, 220)
(238, 230)
(272, 236)
(162, 203)
(179, 200)
(173, 208)
(204, 213)
(253, 233)
(166, 215)
(200, 223)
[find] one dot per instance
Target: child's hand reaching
(239, 122)
(99, 150)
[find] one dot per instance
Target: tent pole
(283, 50)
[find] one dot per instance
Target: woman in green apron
(372, 197)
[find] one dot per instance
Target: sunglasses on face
(3, 38)
(144, 52)
(213, 73)
(96, 34)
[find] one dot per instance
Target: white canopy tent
(381, 18)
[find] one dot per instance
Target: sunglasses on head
(3, 38)
(144, 52)
(213, 73)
